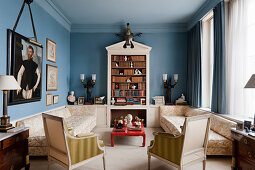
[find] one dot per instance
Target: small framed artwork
(52, 78)
(51, 50)
(48, 99)
(55, 99)
(80, 100)
(98, 100)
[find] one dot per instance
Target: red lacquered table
(129, 133)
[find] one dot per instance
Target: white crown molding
(49, 7)
(145, 28)
(203, 10)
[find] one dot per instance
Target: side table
(14, 150)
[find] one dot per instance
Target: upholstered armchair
(185, 149)
(67, 150)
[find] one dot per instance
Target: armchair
(67, 150)
(187, 148)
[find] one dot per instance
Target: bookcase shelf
(125, 65)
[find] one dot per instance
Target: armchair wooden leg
(104, 161)
(149, 161)
(204, 164)
(49, 163)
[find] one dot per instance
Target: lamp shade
(175, 77)
(82, 76)
(94, 76)
(8, 82)
(251, 82)
(164, 77)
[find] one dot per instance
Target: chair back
(196, 130)
(55, 135)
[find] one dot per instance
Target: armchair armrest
(167, 146)
(83, 148)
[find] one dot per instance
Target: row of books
(128, 86)
(123, 93)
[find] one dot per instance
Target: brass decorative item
(168, 85)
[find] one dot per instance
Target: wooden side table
(243, 157)
(14, 150)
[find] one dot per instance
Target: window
(207, 60)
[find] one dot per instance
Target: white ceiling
(134, 11)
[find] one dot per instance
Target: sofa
(220, 142)
(77, 119)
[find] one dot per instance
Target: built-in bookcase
(128, 73)
(128, 77)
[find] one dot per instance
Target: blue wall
(46, 27)
(168, 55)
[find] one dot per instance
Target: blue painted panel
(46, 27)
(168, 55)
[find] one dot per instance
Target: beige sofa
(79, 119)
(220, 142)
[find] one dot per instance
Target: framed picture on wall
(51, 50)
(52, 78)
(48, 99)
(80, 100)
(55, 99)
(24, 62)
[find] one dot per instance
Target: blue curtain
(194, 66)
(219, 68)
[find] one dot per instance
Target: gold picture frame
(51, 78)
(51, 50)
(56, 99)
(48, 99)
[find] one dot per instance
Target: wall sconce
(90, 84)
(168, 85)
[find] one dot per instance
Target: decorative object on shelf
(168, 85)
(138, 72)
(7, 82)
(52, 78)
(112, 101)
(90, 84)
(129, 118)
(133, 87)
(71, 98)
(128, 80)
(239, 125)
(25, 64)
(247, 125)
(159, 100)
(131, 64)
(48, 99)
(128, 37)
(51, 50)
(181, 101)
(99, 100)
(116, 64)
(80, 100)
(142, 100)
(55, 99)
(125, 58)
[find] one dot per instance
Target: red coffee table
(129, 133)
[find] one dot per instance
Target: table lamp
(7, 82)
(251, 84)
